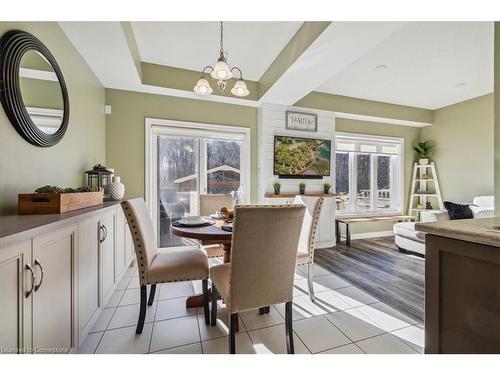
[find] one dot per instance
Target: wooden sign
(301, 121)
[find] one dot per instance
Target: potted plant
(277, 187)
(326, 187)
(302, 188)
(423, 150)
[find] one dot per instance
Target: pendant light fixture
(222, 73)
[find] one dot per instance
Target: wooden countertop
(15, 227)
(471, 230)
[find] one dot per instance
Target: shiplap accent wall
(272, 121)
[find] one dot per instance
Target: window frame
(154, 127)
(397, 172)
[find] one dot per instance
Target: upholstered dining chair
(161, 267)
(209, 204)
(305, 253)
(262, 266)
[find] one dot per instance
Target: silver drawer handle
(101, 234)
(29, 268)
(37, 263)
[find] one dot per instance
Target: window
(184, 160)
(368, 174)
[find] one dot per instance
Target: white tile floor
(343, 320)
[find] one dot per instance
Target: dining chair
(209, 204)
(305, 253)
(262, 266)
(161, 267)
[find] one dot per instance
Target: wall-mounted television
(301, 157)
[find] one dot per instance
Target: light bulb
(202, 87)
(240, 88)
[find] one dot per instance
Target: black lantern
(98, 178)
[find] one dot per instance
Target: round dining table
(207, 235)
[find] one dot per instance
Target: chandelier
(222, 73)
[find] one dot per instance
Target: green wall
(125, 129)
(24, 167)
(463, 137)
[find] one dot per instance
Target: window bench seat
(364, 219)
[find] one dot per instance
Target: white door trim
(194, 128)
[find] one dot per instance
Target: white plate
(193, 222)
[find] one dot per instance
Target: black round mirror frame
(13, 45)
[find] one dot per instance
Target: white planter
(423, 161)
(116, 189)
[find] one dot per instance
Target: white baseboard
(361, 236)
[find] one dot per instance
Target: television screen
(304, 157)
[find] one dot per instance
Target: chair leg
(232, 336)
(214, 305)
(310, 283)
(152, 294)
(289, 328)
(264, 310)
(142, 312)
(206, 308)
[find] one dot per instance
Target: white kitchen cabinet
(83, 257)
(16, 285)
(88, 273)
(107, 254)
(54, 293)
(325, 236)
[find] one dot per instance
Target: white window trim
(352, 187)
(195, 129)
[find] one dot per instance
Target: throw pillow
(458, 211)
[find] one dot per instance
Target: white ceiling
(425, 61)
(252, 46)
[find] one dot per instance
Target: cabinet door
(54, 293)
(107, 256)
(15, 311)
(326, 228)
(88, 273)
(119, 245)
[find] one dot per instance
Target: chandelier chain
(221, 38)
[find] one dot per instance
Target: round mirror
(33, 91)
(41, 92)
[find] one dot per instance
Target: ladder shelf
(424, 185)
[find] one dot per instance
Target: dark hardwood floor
(376, 266)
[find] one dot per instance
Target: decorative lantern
(98, 178)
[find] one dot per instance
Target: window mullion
(373, 182)
(202, 168)
(353, 182)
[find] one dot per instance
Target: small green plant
(326, 187)
(57, 190)
(302, 187)
(277, 187)
(423, 149)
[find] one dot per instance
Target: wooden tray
(47, 203)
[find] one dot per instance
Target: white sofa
(410, 240)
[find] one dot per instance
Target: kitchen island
(462, 286)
